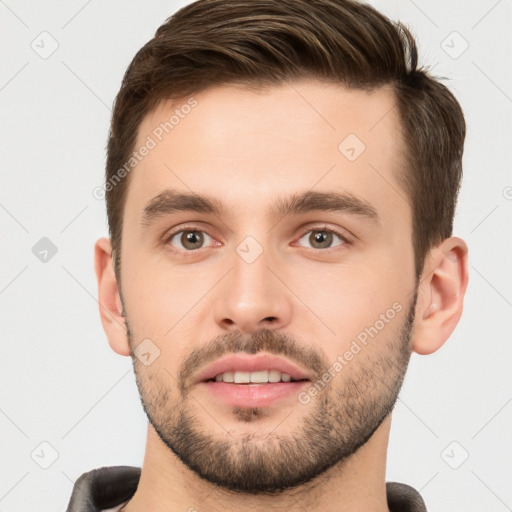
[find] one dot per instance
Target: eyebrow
(172, 201)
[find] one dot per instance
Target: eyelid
(169, 235)
(342, 234)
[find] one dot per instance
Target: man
(281, 184)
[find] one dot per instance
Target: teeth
(259, 377)
(274, 376)
(242, 377)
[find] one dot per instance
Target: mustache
(265, 340)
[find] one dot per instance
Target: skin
(246, 148)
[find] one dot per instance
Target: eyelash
(322, 229)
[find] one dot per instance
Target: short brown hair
(268, 42)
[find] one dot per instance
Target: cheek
(350, 294)
(362, 304)
(167, 304)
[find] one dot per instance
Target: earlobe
(440, 295)
(110, 305)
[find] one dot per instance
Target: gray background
(61, 383)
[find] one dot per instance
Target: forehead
(244, 145)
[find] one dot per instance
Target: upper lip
(251, 363)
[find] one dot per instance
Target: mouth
(245, 380)
(261, 368)
(256, 378)
(252, 394)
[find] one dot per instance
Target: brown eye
(322, 239)
(188, 240)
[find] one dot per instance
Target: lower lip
(262, 395)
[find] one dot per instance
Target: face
(267, 273)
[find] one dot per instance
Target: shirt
(108, 489)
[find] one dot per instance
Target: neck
(357, 483)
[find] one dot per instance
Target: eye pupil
(321, 237)
(190, 239)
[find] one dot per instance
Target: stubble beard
(341, 419)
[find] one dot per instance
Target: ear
(111, 309)
(440, 295)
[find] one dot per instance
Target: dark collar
(107, 487)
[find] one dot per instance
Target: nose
(252, 296)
